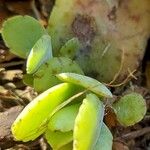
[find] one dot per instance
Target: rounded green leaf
(58, 139)
(87, 82)
(87, 123)
(105, 139)
(33, 120)
(20, 33)
(130, 109)
(39, 54)
(45, 77)
(70, 48)
(64, 119)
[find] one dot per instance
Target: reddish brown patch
(110, 118)
(135, 18)
(84, 27)
(86, 5)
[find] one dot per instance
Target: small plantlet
(69, 114)
(45, 77)
(70, 48)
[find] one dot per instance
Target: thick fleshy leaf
(39, 54)
(70, 48)
(130, 109)
(45, 77)
(64, 119)
(87, 82)
(87, 123)
(58, 139)
(20, 33)
(112, 43)
(33, 120)
(105, 139)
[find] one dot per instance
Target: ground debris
(6, 120)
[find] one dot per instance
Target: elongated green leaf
(87, 82)
(130, 109)
(87, 123)
(63, 120)
(20, 33)
(40, 53)
(58, 139)
(45, 77)
(32, 121)
(70, 48)
(105, 139)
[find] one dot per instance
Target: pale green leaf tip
(39, 54)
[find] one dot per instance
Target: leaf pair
(87, 125)
(44, 66)
(32, 121)
(46, 114)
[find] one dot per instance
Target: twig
(105, 49)
(121, 66)
(35, 10)
(135, 134)
(125, 81)
(146, 118)
(11, 64)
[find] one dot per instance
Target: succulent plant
(65, 112)
(112, 34)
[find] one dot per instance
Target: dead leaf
(110, 118)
